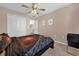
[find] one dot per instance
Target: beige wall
(65, 20)
(3, 18)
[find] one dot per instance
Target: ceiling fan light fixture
(34, 11)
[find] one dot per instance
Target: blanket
(19, 45)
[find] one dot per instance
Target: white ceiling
(50, 7)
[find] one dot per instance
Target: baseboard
(61, 43)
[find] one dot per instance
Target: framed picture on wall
(50, 22)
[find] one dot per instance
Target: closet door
(16, 25)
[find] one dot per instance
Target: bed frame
(51, 45)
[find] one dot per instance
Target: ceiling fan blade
(42, 9)
(25, 6)
(28, 12)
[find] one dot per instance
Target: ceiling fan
(34, 8)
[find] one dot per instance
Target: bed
(40, 47)
(29, 45)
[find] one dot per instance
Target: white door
(16, 25)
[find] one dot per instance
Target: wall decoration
(50, 21)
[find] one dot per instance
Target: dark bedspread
(40, 45)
